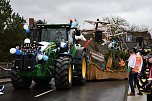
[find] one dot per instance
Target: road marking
(44, 93)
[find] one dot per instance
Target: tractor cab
(51, 32)
(54, 33)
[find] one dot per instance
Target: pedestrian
(1, 89)
(1, 86)
(130, 60)
(149, 96)
(135, 62)
(132, 56)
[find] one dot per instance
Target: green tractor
(51, 51)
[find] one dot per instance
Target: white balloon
(12, 50)
(39, 57)
(27, 40)
(63, 45)
(25, 26)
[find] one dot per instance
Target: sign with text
(97, 56)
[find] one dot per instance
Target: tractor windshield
(54, 35)
(51, 33)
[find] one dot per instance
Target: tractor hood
(44, 45)
(47, 45)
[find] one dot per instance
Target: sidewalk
(136, 97)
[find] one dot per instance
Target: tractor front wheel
(19, 82)
(63, 75)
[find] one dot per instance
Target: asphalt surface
(115, 90)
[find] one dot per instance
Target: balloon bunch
(27, 30)
(15, 51)
(29, 48)
(42, 56)
(39, 55)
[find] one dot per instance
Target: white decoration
(62, 44)
(27, 40)
(45, 45)
(81, 37)
(39, 57)
(25, 26)
(12, 50)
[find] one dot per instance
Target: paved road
(92, 91)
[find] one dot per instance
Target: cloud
(135, 11)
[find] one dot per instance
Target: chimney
(31, 21)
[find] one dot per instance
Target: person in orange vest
(135, 62)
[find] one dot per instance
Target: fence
(7, 65)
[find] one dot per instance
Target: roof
(53, 26)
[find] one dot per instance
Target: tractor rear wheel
(63, 75)
(19, 82)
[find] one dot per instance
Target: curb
(126, 93)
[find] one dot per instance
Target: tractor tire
(19, 82)
(42, 81)
(63, 73)
(81, 69)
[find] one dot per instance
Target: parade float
(107, 52)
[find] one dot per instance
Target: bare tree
(118, 24)
(138, 28)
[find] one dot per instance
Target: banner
(97, 56)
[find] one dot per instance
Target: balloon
(45, 57)
(27, 30)
(39, 57)
(12, 50)
(25, 26)
(74, 24)
(27, 40)
(63, 45)
(18, 52)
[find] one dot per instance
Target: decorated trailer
(107, 53)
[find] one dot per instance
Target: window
(54, 35)
(128, 37)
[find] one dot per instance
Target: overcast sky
(138, 12)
